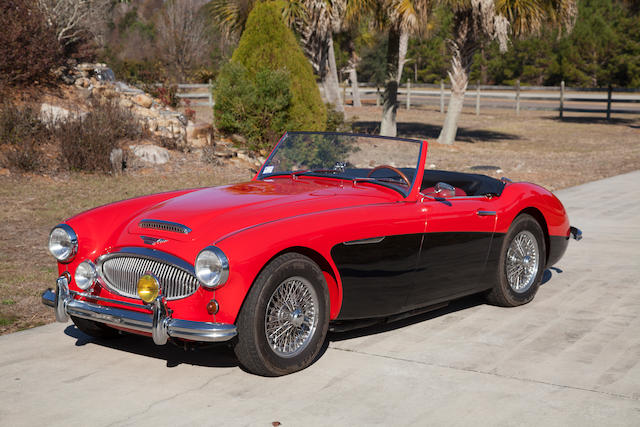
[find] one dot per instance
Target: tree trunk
(330, 81)
(459, 80)
(462, 47)
(353, 76)
(390, 97)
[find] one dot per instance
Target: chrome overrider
(158, 322)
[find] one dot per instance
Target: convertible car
(335, 229)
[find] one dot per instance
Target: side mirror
(442, 189)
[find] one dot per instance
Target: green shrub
(86, 141)
(257, 108)
(268, 44)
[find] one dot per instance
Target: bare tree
(183, 36)
(76, 20)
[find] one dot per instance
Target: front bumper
(158, 322)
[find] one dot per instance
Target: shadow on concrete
(213, 355)
(426, 131)
(456, 305)
(592, 120)
(221, 355)
(548, 274)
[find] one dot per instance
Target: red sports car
(334, 229)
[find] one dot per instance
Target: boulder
(150, 153)
(126, 103)
(198, 130)
(143, 100)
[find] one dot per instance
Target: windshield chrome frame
(412, 190)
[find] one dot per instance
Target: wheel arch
(539, 217)
(328, 269)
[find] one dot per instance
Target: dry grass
(533, 147)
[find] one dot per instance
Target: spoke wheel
(284, 319)
(522, 261)
(291, 316)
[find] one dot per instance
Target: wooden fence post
(408, 94)
(210, 93)
(344, 93)
(518, 97)
(442, 96)
(609, 89)
(561, 98)
(478, 98)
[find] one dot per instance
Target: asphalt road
(571, 357)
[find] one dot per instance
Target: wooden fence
(517, 97)
(548, 98)
(196, 93)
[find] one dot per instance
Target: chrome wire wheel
(291, 317)
(523, 259)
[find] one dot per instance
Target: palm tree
(478, 21)
(315, 20)
(399, 18)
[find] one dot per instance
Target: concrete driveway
(571, 357)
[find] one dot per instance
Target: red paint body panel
(253, 222)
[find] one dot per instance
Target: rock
(198, 130)
(126, 103)
(53, 113)
(117, 160)
(150, 153)
(143, 100)
(67, 79)
(224, 152)
(152, 125)
(85, 66)
(5, 172)
(238, 139)
(109, 93)
(82, 82)
(198, 142)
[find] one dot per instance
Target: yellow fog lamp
(148, 288)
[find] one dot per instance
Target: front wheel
(283, 322)
(522, 261)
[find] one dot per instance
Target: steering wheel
(396, 170)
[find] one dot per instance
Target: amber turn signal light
(148, 288)
(213, 307)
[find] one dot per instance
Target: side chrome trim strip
(365, 241)
(486, 213)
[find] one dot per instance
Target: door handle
(485, 213)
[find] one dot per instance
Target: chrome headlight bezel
(86, 275)
(212, 267)
(65, 245)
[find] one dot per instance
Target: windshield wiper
(312, 171)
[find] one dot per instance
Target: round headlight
(63, 243)
(212, 267)
(86, 275)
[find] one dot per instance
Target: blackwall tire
(522, 263)
(95, 329)
(283, 322)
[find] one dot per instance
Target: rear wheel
(95, 329)
(283, 322)
(522, 261)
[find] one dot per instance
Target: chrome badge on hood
(152, 240)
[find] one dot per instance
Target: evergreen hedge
(268, 46)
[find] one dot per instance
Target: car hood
(213, 213)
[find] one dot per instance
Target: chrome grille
(156, 224)
(121, 274)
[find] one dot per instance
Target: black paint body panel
(406, 272)
(450, 265)
(376, 277)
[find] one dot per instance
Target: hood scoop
(157, 224)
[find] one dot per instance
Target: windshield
(391, 162)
